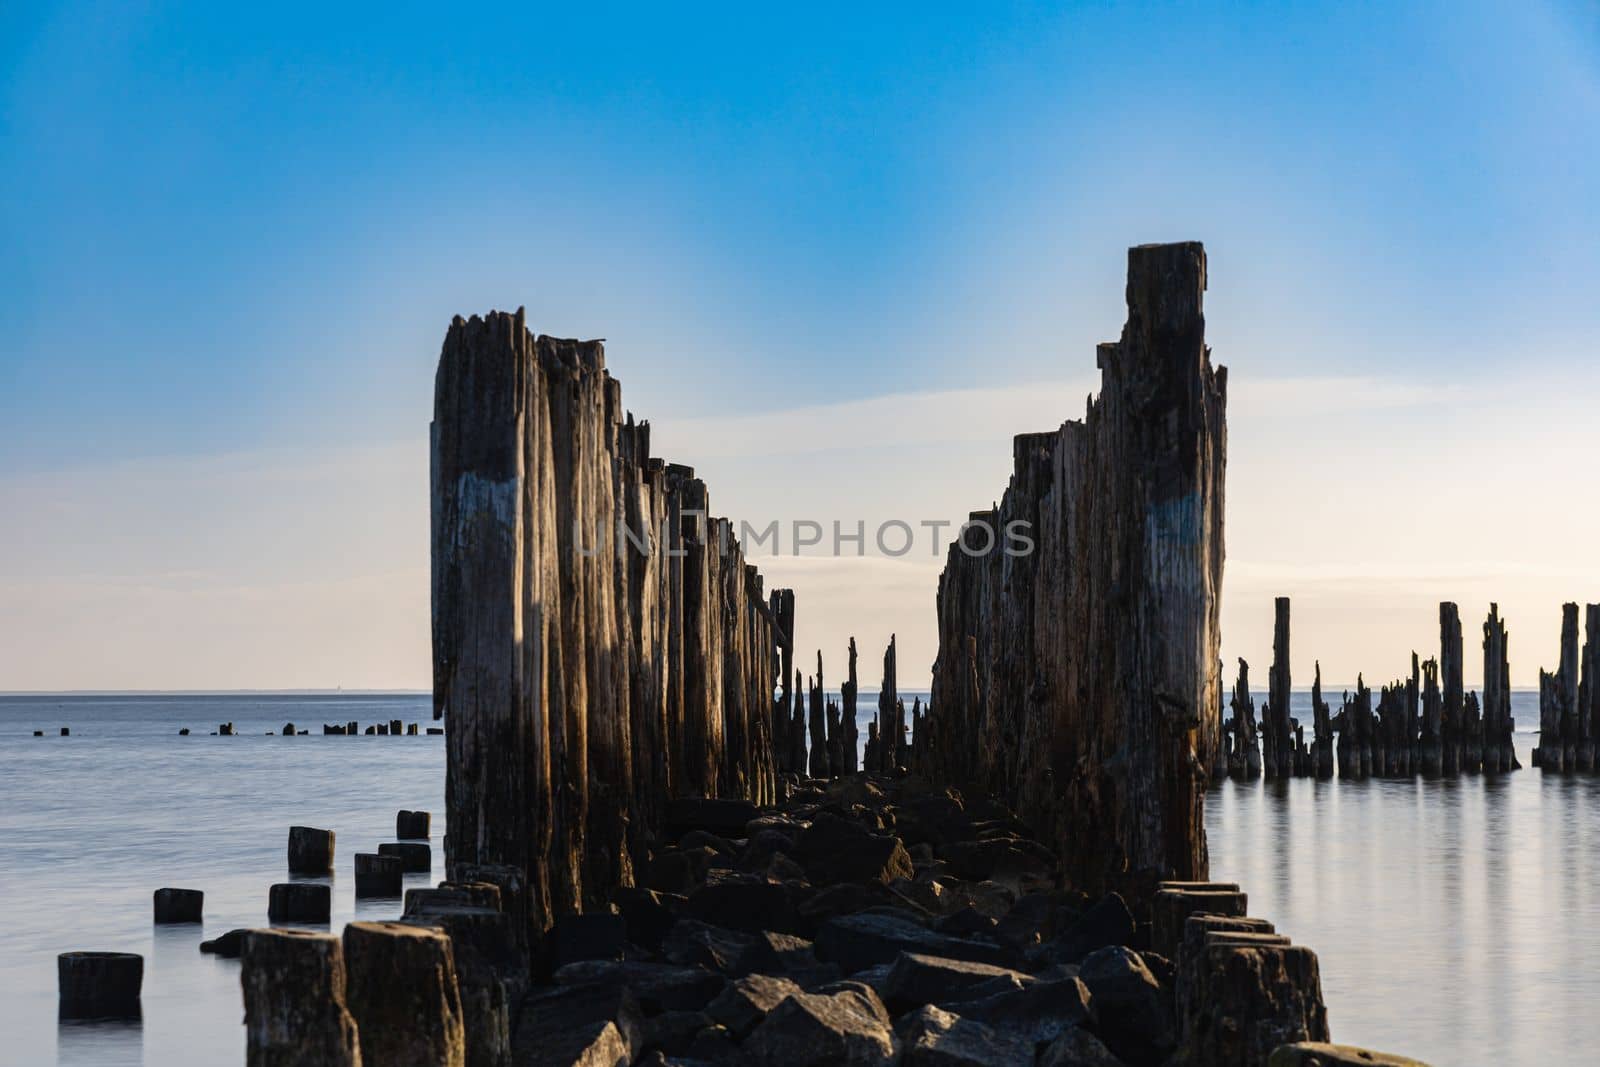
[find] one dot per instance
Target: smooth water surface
(1456, 921)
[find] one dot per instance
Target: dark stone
(299, 902)
(846, 1026)
(692, 942)
(1108, 922)
(726, 817)
(964, 922)
(1322, 1054)
(856, 942)
(648, 914)
(228, 945)
(836, 900)
(750, 906)
(670, 871)
(1075, 1047)
(746, 1001)
(310, 851)
(1037, 1012)
(589, 1025)
(415, 856)
(672, 1032)
(412, 825)
(1134, 1013)
(915, 979)
(704, 839)
(593, 936)
(1030, 921)
(762, 847)
(658, 986)
(99, 984)
(932, 1037)
(378, 875)
(179, 905)
(833, 850)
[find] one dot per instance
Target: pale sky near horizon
(840, 257)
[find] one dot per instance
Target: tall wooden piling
(1450, 725)
(1498, 752)
(1096, 663)
(599, 642)
(1278, 758)
(1558, 700)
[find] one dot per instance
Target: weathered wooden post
(378, 874)
(179, 905)
(782, 605)
(889, 734)
(847, 696)
(1558, 698)
(1278, 760)
(1432, 721)
(1322, 745)
(1098, 660)
(93, 985)
(403, 993)
(310, 851)
(1450, 671)
(819, 766)
(412, 825)
(299, 902)
(1245, 762)
(294, 1000)
(1588, 691)
(1496, 693)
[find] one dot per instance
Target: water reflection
(1455, 919)
(100, 1042)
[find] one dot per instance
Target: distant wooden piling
(99, 984)
(1277, 761)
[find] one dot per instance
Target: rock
(1030, 921)
(915, 979)
(745, 905)
(837, 900)
(99, 984)
(1108, 922)
(1134, 1013)
(833, 850)
(647, 914)
(762, 847)
(1075, 1047)
(379, 875)
(692, 942)
(578, 1026)
(670, 871)
(403, 993)
(412, 825)
(299, 902)
(847, 1026)
(746, 1001)
(856, 942)
(713, 1044)
(595, 936)
(414, 856)
(672, 1032)
(933, 1037)
(228, 945)
(697, 839)
(795, 958)
(179, 905)
(1037, 1012)
(965, 922)
(1322, 1054)
(310, 851)
(658, 986)
(727, 817)
(294, 1000)
(987, 898)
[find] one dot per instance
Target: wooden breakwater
(600, 645)
(632, 878)
(1077, 681)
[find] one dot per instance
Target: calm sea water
(1455, 920)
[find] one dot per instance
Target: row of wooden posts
(805, 711)
(1427, 723)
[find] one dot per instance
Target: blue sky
(230, 240)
